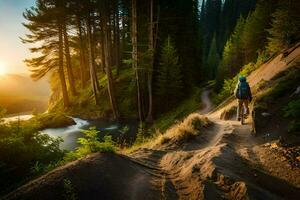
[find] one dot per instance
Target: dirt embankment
(195, 159)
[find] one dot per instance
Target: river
(70, 134)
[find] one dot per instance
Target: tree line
(77, 42)
(241, 32)
(170, 46)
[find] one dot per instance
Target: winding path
(206, 101)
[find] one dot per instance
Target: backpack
(243, 90)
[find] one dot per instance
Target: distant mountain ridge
(22, 85)
(19, 93)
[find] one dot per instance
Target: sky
(12, 50)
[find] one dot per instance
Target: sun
(2, 69)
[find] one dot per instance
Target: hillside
(19, 93)
(202, 157)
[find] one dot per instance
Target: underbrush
(292, 111)
(282, 88)
(282, 85)
(83, 104)
(190, 105)
(91, 143)
(51, 120)
(180, 132)
(148, 135)
(24, 153)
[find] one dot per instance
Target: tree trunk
(150, 71)
(61, 69)
(93, 44)
(102, 49)
(110, 82)
(68, 61)
(117, 38)
(82, 54)
(135, 57)
(91, 58)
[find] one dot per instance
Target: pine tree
(213, 59)
(211, 21)
(285, 28)
(231, 11)
(233, 54)
(255, 34)
(46, 23)
(169, 80)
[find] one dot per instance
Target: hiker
(244, 96)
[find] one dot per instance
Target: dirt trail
(206, 101)
(225, 163)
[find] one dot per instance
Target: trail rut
(224, 164)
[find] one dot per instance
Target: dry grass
(182, 131)
(186, 130)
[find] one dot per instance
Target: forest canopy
(118, 58)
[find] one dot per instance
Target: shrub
(24, 153)
(91, 143)
(141, 134)
(292, 111)
(52, 120)
(294, 127)
(69, 191)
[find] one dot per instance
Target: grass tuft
(186, 130)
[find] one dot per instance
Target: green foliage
(141, 134)
(169, 80)
(52, 120)
(226, 91)
(255, 32)
(294, 127)
(24, 153)
(128, 62)
(37, 168)
(124, 130)
(230, 84)
(91, 143)
(213, 60)
(292, 111)
(83, 105)
(248, 42)
(189, 105)
(69, 190)
(285, 26)
(233, 54)
(282, 87)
